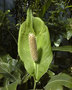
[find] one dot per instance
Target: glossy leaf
(59, 80)
(37, 27)
(63, 48)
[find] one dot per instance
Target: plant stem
(13, 36)
(35, 77)
(34, 84)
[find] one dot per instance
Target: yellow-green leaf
(36, 26)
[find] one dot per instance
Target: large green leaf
(36, 26)
(59, 80)
(12, 86)
(9, 69)
(54, 87)
(63, 48)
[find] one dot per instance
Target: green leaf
(45, 7)
(8, 68)
(69, 28)
(1, 76)
(51, 74)
(69, 34)
(12, 86)
(54, 87)
(59, 80)
(37, 27)
(37, 1)
(4, 65)
(63, 48)
(68, 6)
(26, 78)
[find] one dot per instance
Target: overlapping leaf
(59, 80)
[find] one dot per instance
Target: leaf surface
(12, 86)
(59, 80)
(63, 48)
(37, 27)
